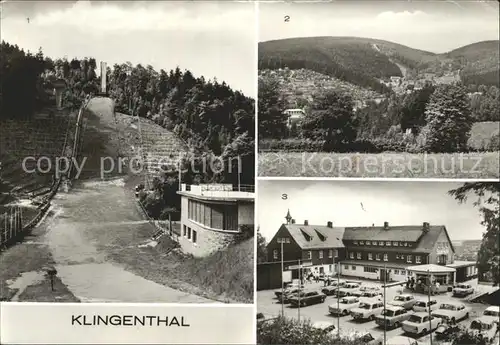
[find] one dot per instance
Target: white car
(462, 290)
(492, 312)
(367, 310)
(485, 326)
(419, 323)
(452, 312)
(404, 300)
(426, 305)
(325, 326)
(345, 305)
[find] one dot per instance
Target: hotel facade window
(377, 257)
(330, 253)
(409, 259)
(351, 255)
(215, 216)
(195, 236)
(353, 268)
(336, 251)
(358, 256)
(388, 243)
(309, 255)
(275, 254)
(320, 253)
(418, 259)
(370, 256)
(380, 243)
(386, 257)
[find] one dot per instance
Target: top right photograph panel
(379, 89)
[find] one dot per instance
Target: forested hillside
(365, 61)
(208, 115)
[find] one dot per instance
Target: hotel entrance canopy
(430, 272)
(430, 268)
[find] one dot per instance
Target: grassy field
(390, 164)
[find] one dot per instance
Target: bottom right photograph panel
(378, 262)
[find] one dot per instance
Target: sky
(435, 26)
(396, 202)
(210, 39)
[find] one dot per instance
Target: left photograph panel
(127, 135)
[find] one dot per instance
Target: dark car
(330, 290)
(307, 298)
(287, 293)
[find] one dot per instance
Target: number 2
(287, 19)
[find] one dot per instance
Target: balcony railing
(218, 188)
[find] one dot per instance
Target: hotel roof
(316, 236)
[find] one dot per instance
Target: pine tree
(449, 119)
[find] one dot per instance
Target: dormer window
(405, 244)
(395, 244)
(368, 243)
(361, 243)
(388, 243)
(355, 242)
(380, 243)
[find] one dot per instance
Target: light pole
(385, 324)
(338, 299)
(300, 285)
(429, 304)
(281, 241)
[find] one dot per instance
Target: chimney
(293, 221)
(329, 224)
(426, 226)
(306, 222)
(386, 225)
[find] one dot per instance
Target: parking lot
(268, 304)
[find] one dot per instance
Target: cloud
(401, 16)
(148, 16)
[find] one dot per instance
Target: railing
(246, 188)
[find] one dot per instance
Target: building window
(388, 243)
(309, 255)
(403, 272)
(405, 244)
(380, 243)
(184, 231)
(377, 257)
(275, 254)
(418, 259)
(189, 233)
(395, 244)
(346, 267)
(370, 256)
(408, 259)
(320, 254)
(358, 256)
(355, 242)
(336, 253)
(397, 256)
(353, 268)
(330, 253)
(195, 236)
(370, 269)
(375, 243)
(361, 243)
(216, 216)
(351, 255)
(396, 271)
(386, 257)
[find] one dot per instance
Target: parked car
(371, 294)
(307, 298)
(444, 330)
(486, 327)
(329, 290)
(418, 323)
(325, 327)
(369, 288)
(364, 336)
(462, 290)
(426, 305)
(452, 312)
(263, 318)
(287, 293)
(348, 289)
(345, 305)
(493, 312)
(404, 300)
(367, 310)
(393, 316)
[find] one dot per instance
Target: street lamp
(385, 324)
(281, 241)
(338, 298)
(429, 304)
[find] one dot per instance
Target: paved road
(268, 304)
(74, 232)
